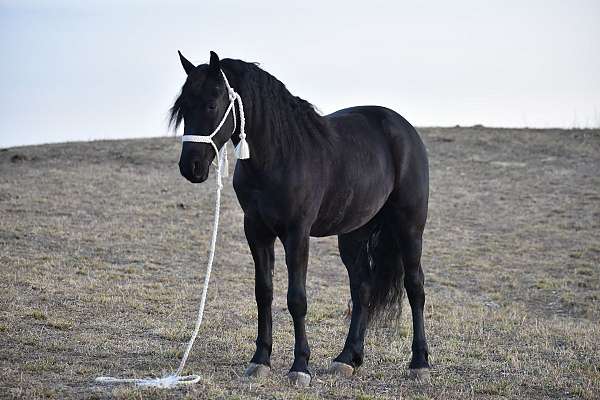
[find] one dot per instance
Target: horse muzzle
(194, 171)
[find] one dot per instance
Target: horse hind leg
(353, 252)
(409, 232)
(414, 284)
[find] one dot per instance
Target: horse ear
(188, 67)
(215, 63)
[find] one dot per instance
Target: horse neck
(259, 133)
(254, 136)
(266, 130)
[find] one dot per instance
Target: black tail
(387, 274)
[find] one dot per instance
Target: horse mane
(176, 111)
(285, 122)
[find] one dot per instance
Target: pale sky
(98, 69)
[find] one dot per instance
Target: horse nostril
(197, 168)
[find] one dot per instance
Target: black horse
(360, 173)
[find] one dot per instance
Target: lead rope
(175, 379)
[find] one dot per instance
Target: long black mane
(283, 121)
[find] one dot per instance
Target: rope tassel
(242, 151)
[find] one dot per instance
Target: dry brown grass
(102, 251)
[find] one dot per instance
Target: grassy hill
(103, 248)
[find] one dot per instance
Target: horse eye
(211, 107)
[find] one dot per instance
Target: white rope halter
(242, 152)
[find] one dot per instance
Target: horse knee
(364, 294)
(264, 297)
(414, 281)
(414, 276)
(296, 301)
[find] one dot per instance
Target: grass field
(103, 248)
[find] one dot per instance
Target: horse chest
(276, 207)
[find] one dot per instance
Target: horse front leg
(261, 242)
(296, 244)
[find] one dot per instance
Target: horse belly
(347, 210)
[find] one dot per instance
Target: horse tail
(387, 274)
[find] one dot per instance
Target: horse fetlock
(420, 359)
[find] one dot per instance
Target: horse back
(374, 127)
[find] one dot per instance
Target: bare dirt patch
(102, 253)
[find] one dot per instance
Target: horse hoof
(341, 369)
(419, 374)
(257, 371)
(299, 379)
